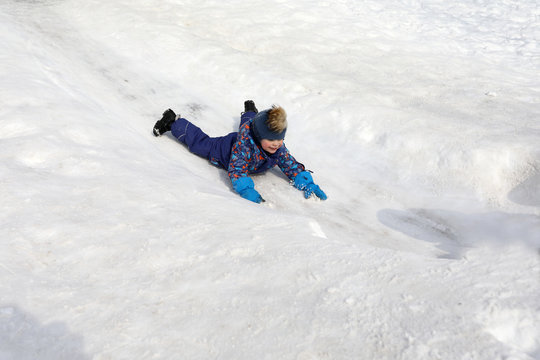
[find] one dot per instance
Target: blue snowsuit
(238, 152)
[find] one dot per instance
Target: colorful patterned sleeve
(240, 157)
(288, 164)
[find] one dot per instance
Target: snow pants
(216, 149)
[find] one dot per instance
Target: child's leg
(247, 116)
(215, 149)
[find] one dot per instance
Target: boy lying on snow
(256, 147)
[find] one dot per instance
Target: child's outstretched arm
(238, 173)
(298, 175)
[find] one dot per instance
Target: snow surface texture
(420, 120)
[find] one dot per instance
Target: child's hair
(277, 119)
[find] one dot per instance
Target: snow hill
(419, 118)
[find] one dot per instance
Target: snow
(418, 118)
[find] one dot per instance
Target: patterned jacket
(247, 157)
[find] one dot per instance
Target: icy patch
(316, 229)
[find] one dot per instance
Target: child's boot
(164, 125)
(249, 105)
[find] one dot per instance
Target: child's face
(271, 146)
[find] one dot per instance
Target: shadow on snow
(23, 337)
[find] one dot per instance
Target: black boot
(249, 105)
(164, 125)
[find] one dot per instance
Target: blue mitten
(304, 182)
(246, 188)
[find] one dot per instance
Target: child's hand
(246, 188)
(314, 189)
(304, 182)
(252, 195)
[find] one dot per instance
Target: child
(255, 148)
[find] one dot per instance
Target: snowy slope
(418, 118)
